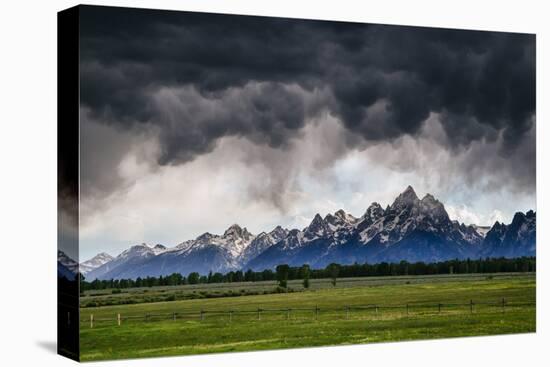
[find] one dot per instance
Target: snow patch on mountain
(95, 262)
(409, 229)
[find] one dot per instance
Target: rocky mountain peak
(433, 208)
(340, 214)
(137, 250)
(405, 199)
(95, 262)
(409, 193)
(374, 211)
(429, 199)
(235, 231)
(344, 217)
(278, 232)
(316, 227)
(518, 219)
(101, 256)
(317, 220)
(206, 236)
(411, 229)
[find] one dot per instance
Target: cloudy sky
(191, 122)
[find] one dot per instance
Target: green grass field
(241, 330)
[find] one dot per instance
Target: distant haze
(191, 122)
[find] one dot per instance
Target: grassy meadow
(234, 324)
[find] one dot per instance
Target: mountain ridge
(411, 229)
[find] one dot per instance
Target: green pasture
(364, 311)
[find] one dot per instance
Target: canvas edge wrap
(68, 343)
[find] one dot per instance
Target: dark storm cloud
(381, 81)
(266, 113)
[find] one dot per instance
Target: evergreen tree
(282, 275)
(334, 270)
(305, 275)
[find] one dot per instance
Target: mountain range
(410, 229)
(66, 266)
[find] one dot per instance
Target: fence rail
(346, 310)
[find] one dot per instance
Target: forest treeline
(283, 273)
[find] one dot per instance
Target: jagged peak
(205, 236)
(429, 198)
(278, 231)
(407, 197)
(430, 203)
(102, 255)
(518, 217)
(139, 246)
(234, 227)
(340, 214)
(373, 213)
(316, 225)
(236, 230)
(409, 192)
(316, 219)
(374, 204)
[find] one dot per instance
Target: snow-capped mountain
(128, 259)
(95, 262)
(516, 239)
(411, 229)
(261, 243)
(66, 267)
(208, 252)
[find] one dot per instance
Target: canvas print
(243, 183)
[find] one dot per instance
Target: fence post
(259, 318)
(202, 315)
(118, 319)
(91, 321)
(503, 304)
(316, 312)
(471, 306)
(146, 317)
(288, 313)
(376, 309)
(407, 307)
(174, 316)
(230, 316)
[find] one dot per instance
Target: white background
(28, 182)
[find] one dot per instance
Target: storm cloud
(483, 82)
(162, 89)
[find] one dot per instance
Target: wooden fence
(315, 312)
